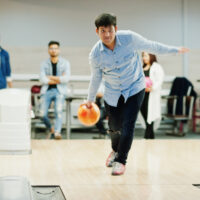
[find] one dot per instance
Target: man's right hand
(52, 82)
(99, 95)
(88, 104)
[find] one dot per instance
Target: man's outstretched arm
(143, 44)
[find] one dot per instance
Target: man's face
(54, 50)
(107, 34)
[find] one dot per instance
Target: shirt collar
(101, 46)
(118, 43)
(49, 60)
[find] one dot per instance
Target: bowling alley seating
(180, 105)
(35, 102)
(196, 114)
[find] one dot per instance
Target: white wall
(26, 26)
(35, 22)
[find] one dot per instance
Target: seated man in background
(5, 70)
(54, 75)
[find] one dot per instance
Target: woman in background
(151, 106)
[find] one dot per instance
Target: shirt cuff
(8, 79)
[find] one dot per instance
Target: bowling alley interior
(99, 100)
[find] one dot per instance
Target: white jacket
(156, 74)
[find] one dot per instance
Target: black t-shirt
(54, 70)
(146, 72)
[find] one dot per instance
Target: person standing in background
(5, 69)
(151, 106)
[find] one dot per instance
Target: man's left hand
(183, 50)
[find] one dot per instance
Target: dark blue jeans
(121, 122)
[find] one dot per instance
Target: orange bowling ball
(88, 116)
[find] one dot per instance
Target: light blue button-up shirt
(121, 68)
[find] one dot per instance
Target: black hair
(53, 42)
(106, 19)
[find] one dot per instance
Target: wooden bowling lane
(156, 169)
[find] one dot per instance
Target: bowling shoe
(118, 169)
(111, 159)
